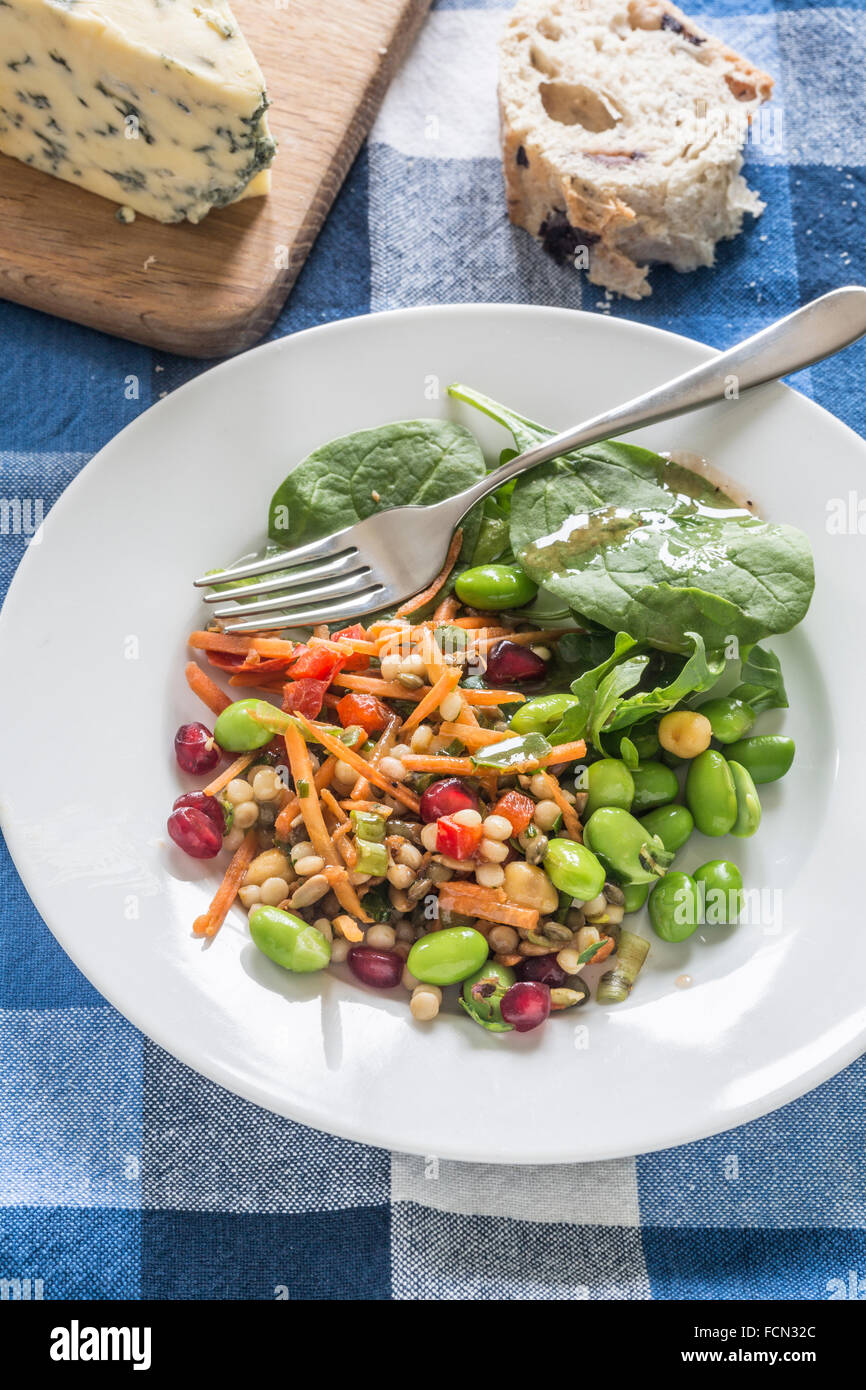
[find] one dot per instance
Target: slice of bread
(623, 126)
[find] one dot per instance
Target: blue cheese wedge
(158, 105)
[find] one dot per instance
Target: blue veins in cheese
(158, 105)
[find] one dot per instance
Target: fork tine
(367, 601)
(296, 577)
(328, 546)
(317, 593)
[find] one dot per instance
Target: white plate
(93, 648)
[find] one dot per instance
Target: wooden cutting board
(213, 289)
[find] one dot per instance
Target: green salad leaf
(409, 463)
(762, 685)
(639, 544)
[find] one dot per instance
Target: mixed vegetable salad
(478, 789)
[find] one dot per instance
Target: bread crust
(623, 124)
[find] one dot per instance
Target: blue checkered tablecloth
(122, 1173)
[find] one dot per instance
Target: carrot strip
(346, 646)
(446, 610)
(239, 646)
(493, 697)
(427, 762)
(570, 818)
(255, 678)
(361, 789)
(413, 604)
(524, 639)
(336, 809)
(372, 685)
(348, 755)
(471, 734)
(311, 810)
(490, 904)
(447, 682)
(565, 753)
(238, 766)
(321, 631)
(210, 922)
(207, 690)
(292, 808)
(374, 807)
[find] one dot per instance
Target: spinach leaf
(639, 544)
(410, 463)
(762, 685)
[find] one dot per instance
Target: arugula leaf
(639, 544)
(607, 697)
(576, 721)
(762, 685)
(409, 463)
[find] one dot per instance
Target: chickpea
(381, 936)
(685, 733)
(271, 864)
(546, 815)
(528, 886)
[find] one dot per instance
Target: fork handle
(809, 334)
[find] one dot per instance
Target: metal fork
(380, 562)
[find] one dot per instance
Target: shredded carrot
(431, 762)
(292, 808)
(336, 809)
(207, 690)
(311, 810)
(524, 639)
(493, 697)
(273, 681)
(490, 904)
(348, 755)
(374, 807)
(471, 734)
(386, 742)
(565, 753)
(570, 818)
(482, 624)
(413, 604)
(210, 922)
(372, 685)
(238, 766)
(447, 682)
(347, 646)
(321, 630)
(240, 646)
(446, 610)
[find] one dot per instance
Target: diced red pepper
(365, 710)
(226, 661)
(355, 633)
(517, 808)
(305, 696)
(315, 663)
(456, 840)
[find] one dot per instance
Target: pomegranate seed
(208, 805)
(378, 969)
(446, 797)
(544, 969)
(508, 663)
(526, 1005)
(195, 833)
(195, 749)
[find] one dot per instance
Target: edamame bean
(646, 742)
(654, 785)
(674, 907)
(237, 732)
(766, 757)
(626, 850)
(672, 824)
(289, 941)
(574, 869)
(495, 586)
(635, 895)
(720, 890)
(730, 718)
(542, 714)
(748, 802)
(609, 783)
(446, 957)
(482, 996)
(710, 793)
